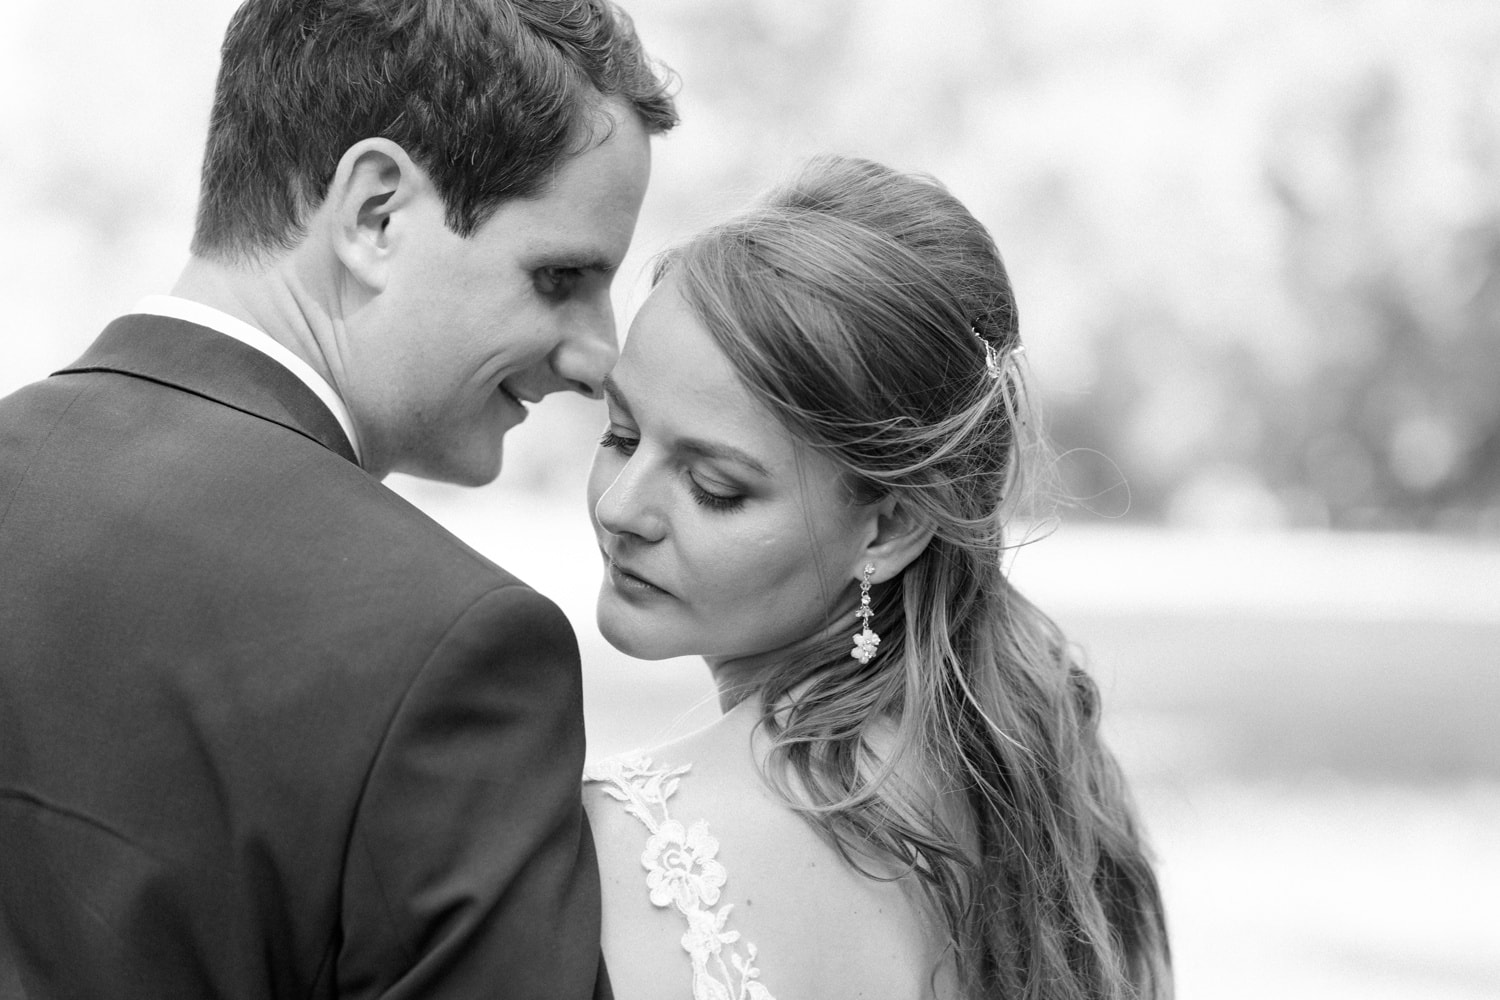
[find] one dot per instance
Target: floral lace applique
(682, 870)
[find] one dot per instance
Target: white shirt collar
(204, 315)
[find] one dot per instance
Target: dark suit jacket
(266, 730)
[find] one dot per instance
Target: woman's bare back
(712, 882)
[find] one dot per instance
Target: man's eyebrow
(583, 260)
(693, 446)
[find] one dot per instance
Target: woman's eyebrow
(712, 449)
(612, 391)
(693, 446)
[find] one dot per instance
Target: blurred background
(1257, 250)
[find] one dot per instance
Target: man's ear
(375, 183)
(900, 536)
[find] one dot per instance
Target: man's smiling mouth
(516, 397)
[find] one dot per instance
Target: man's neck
(274, 302)
(263, 297)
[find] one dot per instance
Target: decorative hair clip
(992, 363)
(992, 360)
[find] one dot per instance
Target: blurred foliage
(1257, 246)
(1383, 180)
(1258, 250)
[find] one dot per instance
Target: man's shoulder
(189, 497)
(33, 405)
(355, 534)
(264, 518)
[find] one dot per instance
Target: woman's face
(722, 536)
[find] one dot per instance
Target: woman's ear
(900, 536)
(374, 184)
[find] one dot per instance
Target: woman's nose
(626, 506)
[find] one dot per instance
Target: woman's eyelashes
(721, 498)
(714, 501)
(618, 442)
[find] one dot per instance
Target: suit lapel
(195, 359)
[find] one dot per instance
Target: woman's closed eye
(720, 498)
(713, 495)
(618, 442)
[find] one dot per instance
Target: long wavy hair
(872, 312)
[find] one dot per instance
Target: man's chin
(468, 470)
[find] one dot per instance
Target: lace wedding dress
(682, 870)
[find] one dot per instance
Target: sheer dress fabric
(682, 871)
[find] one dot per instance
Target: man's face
(467, 331)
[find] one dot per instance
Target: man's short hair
(487, 96)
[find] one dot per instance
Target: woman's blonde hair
(871, 311)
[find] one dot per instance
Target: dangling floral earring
(865, 640)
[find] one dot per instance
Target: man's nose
(588, 353)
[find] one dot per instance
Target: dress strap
(682, 870)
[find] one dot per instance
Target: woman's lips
(630, 582)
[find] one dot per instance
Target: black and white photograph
(750, 500)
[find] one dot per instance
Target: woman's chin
(634, 637)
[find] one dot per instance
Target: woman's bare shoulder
(779, 897)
